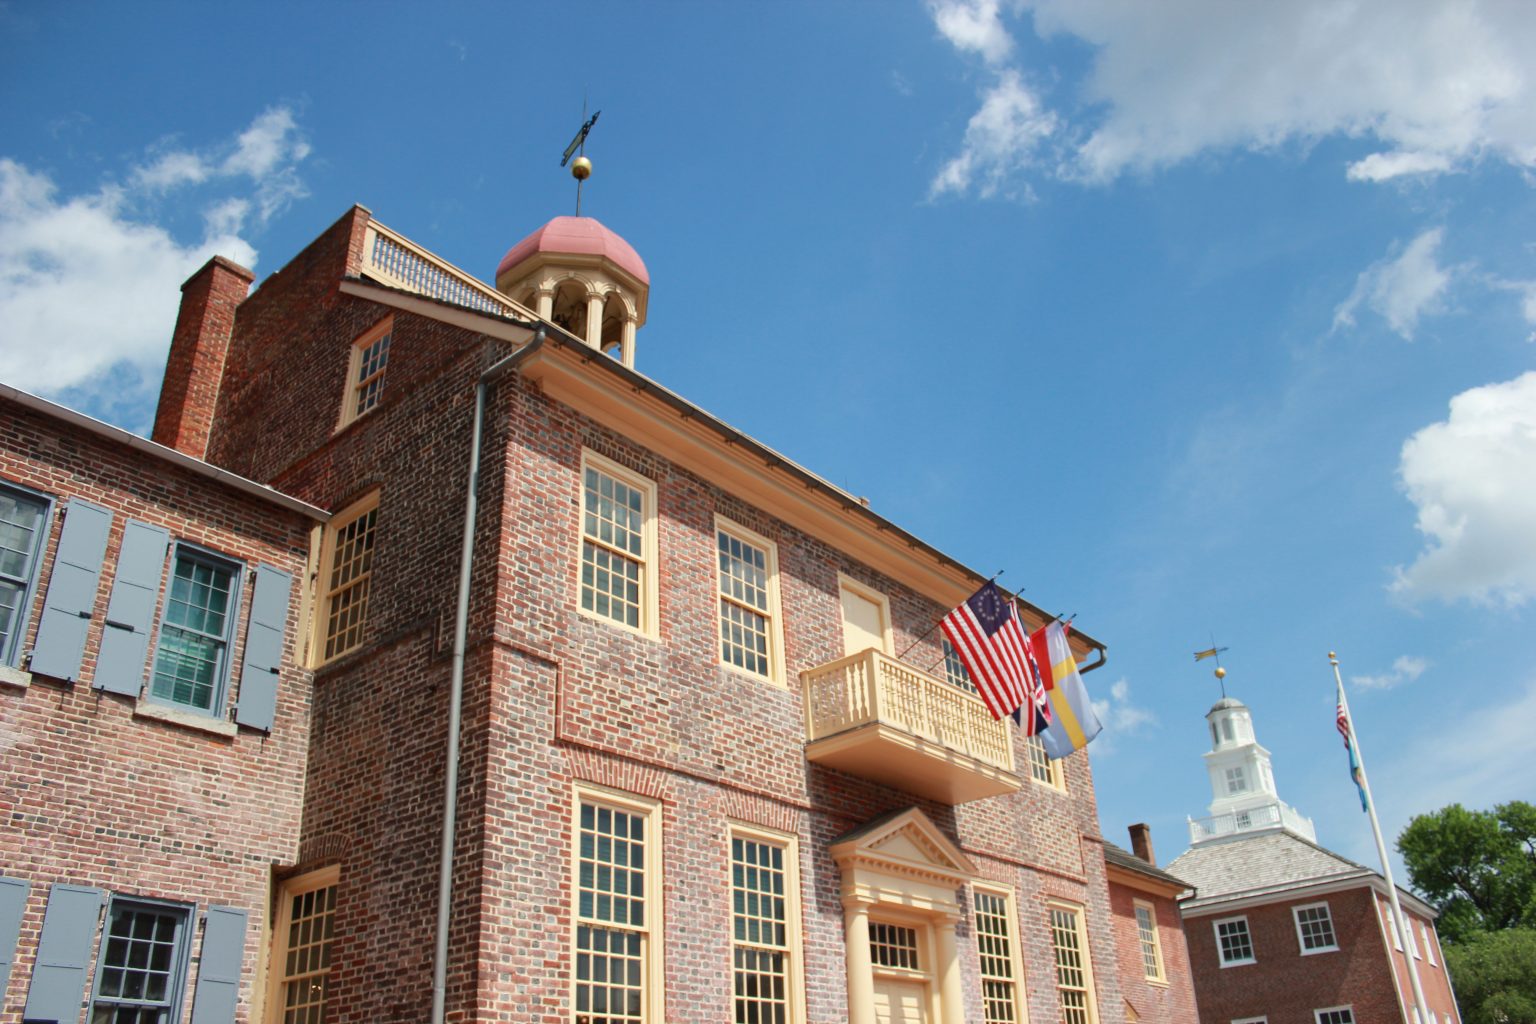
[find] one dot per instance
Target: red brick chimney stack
(1141, 843)
(196, 363)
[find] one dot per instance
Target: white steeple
(1243, 794)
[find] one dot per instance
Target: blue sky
(1198, 320)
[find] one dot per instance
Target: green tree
(1495, 976)
(1477, 867)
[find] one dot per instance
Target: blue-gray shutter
(131, 609)
(66, 617)
(64, 954)
(264, 643)
(13, 902)
(218, 973)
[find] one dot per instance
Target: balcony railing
(395, 260)
(1251, 820)
(871, 716)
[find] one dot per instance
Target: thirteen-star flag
(1073, 723)
(984, 630)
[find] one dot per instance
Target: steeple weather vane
(1215, 652)
(581, 167)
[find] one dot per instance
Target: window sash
(994, 947)
(349, 580)
(1233, 942)
(1314, 928)
(141, 965)
(1151, 945)
(302, 948)
(761, 896)
(24, 523)
(196, 631)
(615, 546)
(748, 608)
(1073, 979)
(1042, 768)
(613, 942)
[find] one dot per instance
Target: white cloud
(1400, 288)
(1473, 479)
(89, 284)
(1405, 669)
(1119, 716)
(973, 26)
(1432, 87)
(1001, 137)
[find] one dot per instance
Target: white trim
(1349, 1008)
(1250, 1020)
(1015, 942)
(1221, 956)
(1161, 977)
(1301, 939)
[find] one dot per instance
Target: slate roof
(1129, 861)
(1253, 865)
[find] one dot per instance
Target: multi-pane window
(192, 659)
(614, 921)
(1233, 943)
(747, 603)
(1413, 943)
(348, 577)
(1043, 768)
(23, 522)
(1236, 783)
(994, 946)
(302, 958)
(1314, 928)
(892, 945)
(955, 671)
(761, 898)
(1074, 983)
(1336, 1015)
(142, 965)
(1151, 948)
(365, 379)
(1429, 945)
(615, 543)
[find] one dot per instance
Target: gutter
(456, 688)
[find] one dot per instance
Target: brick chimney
(1141, 843)
(196, 363)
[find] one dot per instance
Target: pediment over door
(902, 858)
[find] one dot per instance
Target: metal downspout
(456, 688)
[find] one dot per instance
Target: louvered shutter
(64, 954)
(218, 973)
(264, 643)
(13, 902)
(131, 610)
(66, 617)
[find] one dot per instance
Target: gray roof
(1252, 865)
(1128, 860)
(1225, 703)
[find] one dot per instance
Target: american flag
(1341, 719)
(985, 631)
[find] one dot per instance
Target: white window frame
(1221, 954)
(1429, 943)
(1250, 1020)
(793, 948)
(1040, 764)
(773, 613)
(1349, 1008)
(198, 555)
(176, 987)
(350, 413)
(326, 595)
(1237, 780)
(648, 613)
(277, 976)
(1301, 938)
(1413, 942)
(1081, 927)
(1156, 942)
(1015, 960)
(26, 584)
(654, 931)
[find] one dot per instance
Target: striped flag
(984, 630)
(1341, 719)
(1073, 722)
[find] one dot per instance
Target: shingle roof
(1129, 861)
(1255, 864)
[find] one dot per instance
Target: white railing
(394, 260)
(1251, 820)
(871, 687)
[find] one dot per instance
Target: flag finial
(581, 167)
(1215, 652)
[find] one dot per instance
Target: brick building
(654, 685)
(154, 722)
(1153, 959)
(1281, 930)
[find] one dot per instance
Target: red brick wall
(1433, 978)
(553, 696)
(1168, 1002)
(97, 795)
(1287, 986)
(195, 366)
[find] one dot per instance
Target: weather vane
(1215, 652)
(581, 167)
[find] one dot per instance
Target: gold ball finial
(581, 168)
(1221, 673)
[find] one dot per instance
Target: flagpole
(1404, 937)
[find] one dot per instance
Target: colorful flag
(1341, 719)
(1202, 655)
(985, 632)
(1038, 703)
(1073, 723)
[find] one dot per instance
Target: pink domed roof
(580, 236)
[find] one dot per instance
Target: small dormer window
(365, 376)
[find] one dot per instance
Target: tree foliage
(1495, 976)
(1477, 867)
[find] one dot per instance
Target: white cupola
(1243, 793)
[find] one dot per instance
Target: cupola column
(627, 346)
(595, 300)
(545, 297)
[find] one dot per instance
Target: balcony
(1254, 819)
(871, 716)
